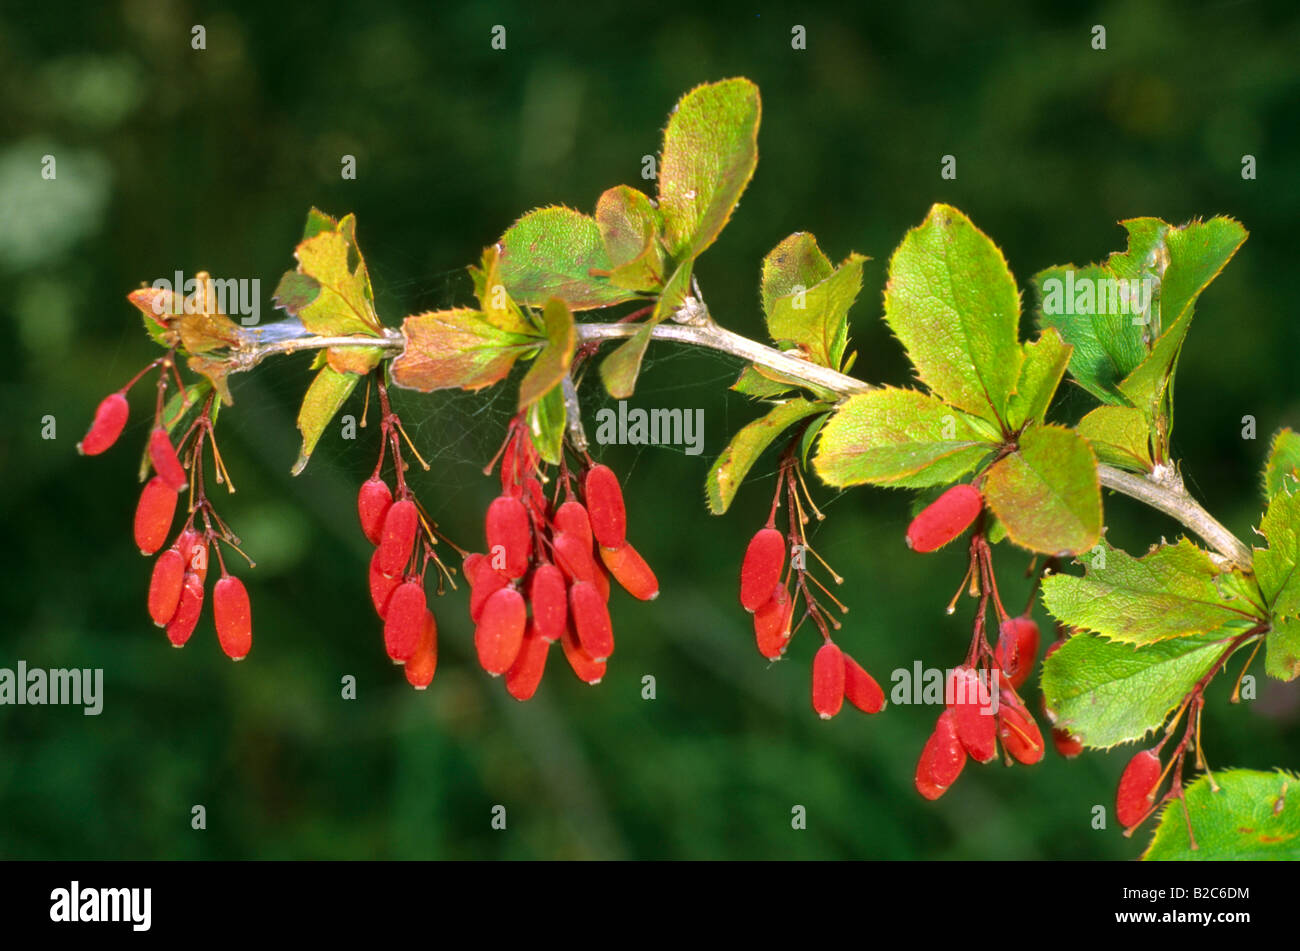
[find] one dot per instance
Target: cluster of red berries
(540, 581)
(176, 587)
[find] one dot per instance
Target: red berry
(973, 716)
(398, 537)
(233, 617)
(186, 618)
(404, 621)
(382, 586)
(110, 420)
(549, 600)
(591, 620)
(165, 586)
(420, 668)
(1066, 743)
(945, 518)
(631, 571)
(942, 759)
(373, 503)
(1137, 788)
(165, 461)
(509, 535)
(574, 557)
(526, 672)
(154, 514)
(761, 569)
(772, 623)
(1017, 648)
(487, 582)
(571, 518)
(828, 680)
(500, 631)
(605, 506)
(194, 549)
(861, 688)
(584, 667)
(1019, 734)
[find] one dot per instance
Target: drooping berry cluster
(177, 584)
(545, 574)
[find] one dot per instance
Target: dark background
(171, 158)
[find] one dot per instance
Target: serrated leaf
(330, 292)
(1045, 360)
(550, 366)
(619, 370)
(1277, 567)
(815, 319)
(1105, 692)
(1282, 649)
(1046, 493)
(809, 437)
(358, 360)
(760, 383)
(795, 262)
(1252, 816)
(325, 396)
(455, 348)
(494, 300)
(1283, 461)
(547, 418)
(1171, 591)
(156, 305)
(952, 302)
(318, 221)
(901, 438)
(710, 151)
(730, 469)
(558, 252)
(630, 226)
(1119, 436)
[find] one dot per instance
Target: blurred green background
(171, 158)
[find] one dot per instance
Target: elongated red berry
(165, 586)
(110, 420)
(1066, 743)
(420, 668)
(382, 586)
(401, 523)
(571, 518)
(761, 569)
(1017, 648)
(233, 617)
(942, 759)
(631, 571)
(828, 680)
(549, 600)
(1019, 734)
(585, 668)
(945, 518)
(154, 514)
(1137, 788)
(971, 705)
(574, 557)
(188, 609)
(485, 583)
(194, 549)
(373, 502)
(526, 672)
(500, 631)
(861, 689)
(605, 506)
(509, 536)
(772, 623)
(162, 454)
(591, 620)
(404, 621)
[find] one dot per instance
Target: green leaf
(1172, 591)
(709, 154)
(952, 302)
(815, 318)
(455, 348)
(324, 398)
(630, 226)
(318, 221)
(1283, 461)
(178, 407)
(494, 300)
(1120, 437)
(901, 438)
(546, 422)
(620, 369)
(761, 383)
(330, 291)
(1046, 493)
(1253, 816)
(795, 262)
(1044, 364)
(747, 445)
(550, 366)
(1282, 650)
(1105, 692)
(1276, 567)
(558, 252)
